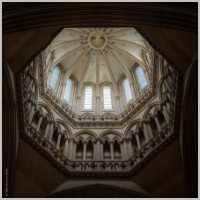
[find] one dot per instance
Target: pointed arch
(89, 133)
(129, 127)
(48, 110)
(150, 110)
(111, 132)
(68, 130)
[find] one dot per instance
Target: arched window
(127, 90)
(55, 77)
(68, 91)
(141, 78)
(107, 97)
(88, 97)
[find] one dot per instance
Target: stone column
(74, 90)
(74, 150)
(168, 95)
(84, 150)
(170, 80)
(138, 141)
(167, 106)
(32, 112)
(30, 85)
(125, 150)
(157, 123)
(78, 104)
(165, 114)
(130, 149)
(94, 150)
(97, 105)
(145, 131)
(62, 92)
(39, 123)
(118, 104)
(66, 147)
(97, 150)
(29, 94)
(101, 151)
(167, 85)
(111, 151)
(58, 141)
(47, 130)
(132, 90)
(122, 151)
(149, 131)
(27, 79)
(51, 132)
(69, 149)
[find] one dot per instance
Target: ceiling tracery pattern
(96, 56)
(115, 50)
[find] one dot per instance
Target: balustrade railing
(71, 165)
(97, 165)
(96, 118)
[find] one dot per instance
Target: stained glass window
(55, 77)
(141, 78)
(88, 97)
(107, 97)
(127, 90)
(68, 91)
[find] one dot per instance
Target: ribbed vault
(98, 55)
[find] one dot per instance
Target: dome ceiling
(100, 130)
(98, 55)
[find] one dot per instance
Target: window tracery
(141, 77)
(107, 97)
(88, 97)
(68, 91)
(127, 90)
(55, 77)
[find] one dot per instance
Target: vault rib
(70, 53)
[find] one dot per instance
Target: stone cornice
(101, 168)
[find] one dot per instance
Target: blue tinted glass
(54, 78)
(127, 90)
(141, 78)
(68, 91)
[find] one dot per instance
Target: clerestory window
(107, 97)
(68, 91)
(141, 78)
(88, 97)
(127, 90)
(55, 78)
